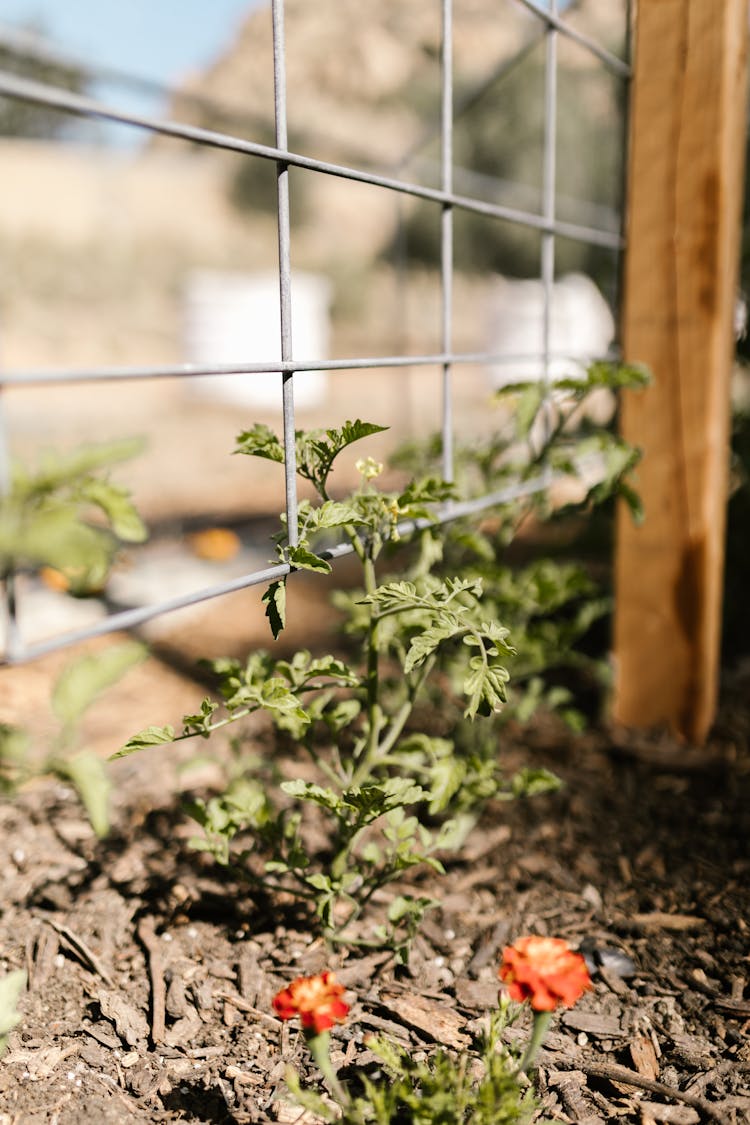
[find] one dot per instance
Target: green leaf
(485, 687)
(308, 791)
(53, 536)
(302, 559)
(87, 773)
(530, 782)
(275, 599)
(318, 449)
(81, 682)
(201, 722)
(342, 714)
(64, 470)
(426, 642)
(151, 736)
(332, 514)
(260, 441)
(11, 987)
(119, 509)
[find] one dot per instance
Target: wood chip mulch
(151, 974)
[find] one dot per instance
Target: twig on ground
(81, 949)
(613, 1072)
(149, 940)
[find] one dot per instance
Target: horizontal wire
(128, 619)
(193, 370)
(27, 89)
(613, 62)
(31, 47)
(40, 93)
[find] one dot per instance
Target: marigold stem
(319, 1047)
(538, 1032)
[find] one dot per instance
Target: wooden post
(687, 149)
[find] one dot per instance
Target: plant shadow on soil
(644, 853)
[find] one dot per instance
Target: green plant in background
(67, 514)
(383, 792)
(550, 604)
(484, 1084)
(400, 770)
(76, 688)
(11, 987)
(440, 1089)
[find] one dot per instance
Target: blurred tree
(498, 156)
(24, 119)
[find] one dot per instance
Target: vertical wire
(285, 269)
(13, 641)
(446, 235)
(548, 211)
(622, 200)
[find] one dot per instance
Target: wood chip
(569, 1085)
(439, 1021)
(669, 1114)
(593, 1023)
(643, 1056)
(659, 920)
(130, 1023)
(183, 1031)
(477, 994)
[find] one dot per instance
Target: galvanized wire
(290, 367)
(549, 171)
(285, 270)
(41, 94)
(446, 233)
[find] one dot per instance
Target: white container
(234, 318)
(581, 328)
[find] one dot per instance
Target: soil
(151, 973)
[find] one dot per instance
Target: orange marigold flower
(316, 1000)
(545, 971)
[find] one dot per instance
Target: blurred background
(121, 247)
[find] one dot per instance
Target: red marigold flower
(316, 1000)
(545, 971)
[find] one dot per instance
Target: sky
(156, 39)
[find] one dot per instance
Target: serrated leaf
(485, 687)
(355, 431)
(342, 714)
(530, 782)
(260, 441)
(200, 722)
(81, 682)
(275, 599)
(302, 559)
(428, 641)
(151, 736)
(308, 791)
(331, 668)
(333, 514)
(87, 773)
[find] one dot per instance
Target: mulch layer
(151, 973)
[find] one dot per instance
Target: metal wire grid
(546, 223)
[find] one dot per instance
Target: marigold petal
(545, 971)
(317, 1000)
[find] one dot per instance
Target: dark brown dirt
(151, 973)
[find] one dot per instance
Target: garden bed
(151, 973)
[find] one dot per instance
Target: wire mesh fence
(552, 28)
